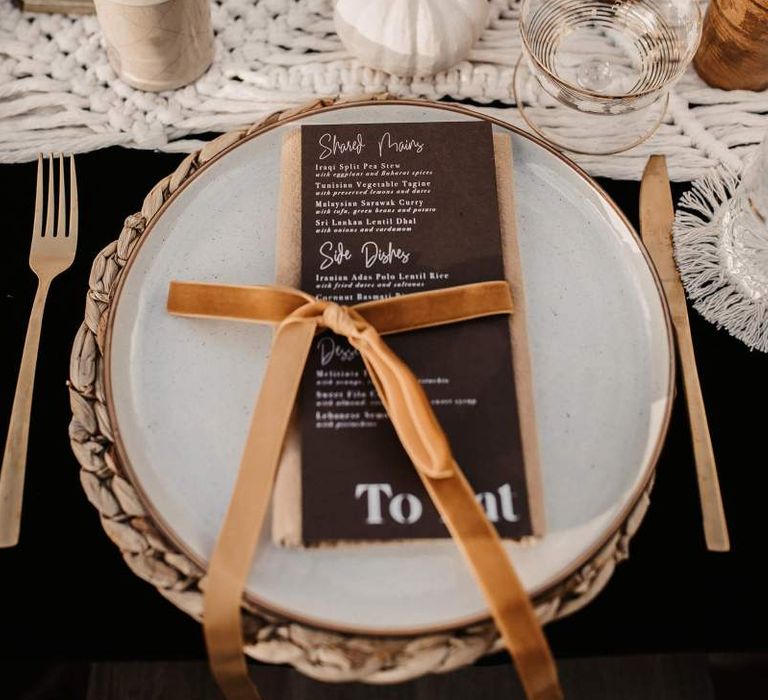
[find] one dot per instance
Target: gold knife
(657, 215)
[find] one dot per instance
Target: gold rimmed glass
(594, 75)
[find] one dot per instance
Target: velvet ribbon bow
(298, 317)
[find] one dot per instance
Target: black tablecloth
(66, 593)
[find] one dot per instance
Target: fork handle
(15, 455)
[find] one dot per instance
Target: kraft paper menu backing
(343, 477)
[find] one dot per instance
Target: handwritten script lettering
(387, 143)
(331, 145)
(374, 253)
(329, 348)
(333, 255)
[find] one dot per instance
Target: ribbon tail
(236, 545)
(425, 442)
(507, 600)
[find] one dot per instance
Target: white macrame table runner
(59, 93)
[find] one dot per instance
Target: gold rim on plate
(557, 597)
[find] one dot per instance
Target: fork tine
(49, 211)
(73, 221)
(37, 226)
(61, 224)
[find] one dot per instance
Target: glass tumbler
(594, 75)
(743, 227)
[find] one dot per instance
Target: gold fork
(50, 255)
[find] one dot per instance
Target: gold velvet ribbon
(298, 317)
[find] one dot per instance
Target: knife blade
(657, 216)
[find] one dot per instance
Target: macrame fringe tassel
(715, 292)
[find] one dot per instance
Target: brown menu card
(389, 209)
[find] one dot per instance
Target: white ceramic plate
(182, 390)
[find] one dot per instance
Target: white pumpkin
(410, 37)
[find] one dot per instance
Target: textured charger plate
(160, 446)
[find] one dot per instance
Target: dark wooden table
(675, 621)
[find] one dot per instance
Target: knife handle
(713, 514)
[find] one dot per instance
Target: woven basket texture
(320, 654)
